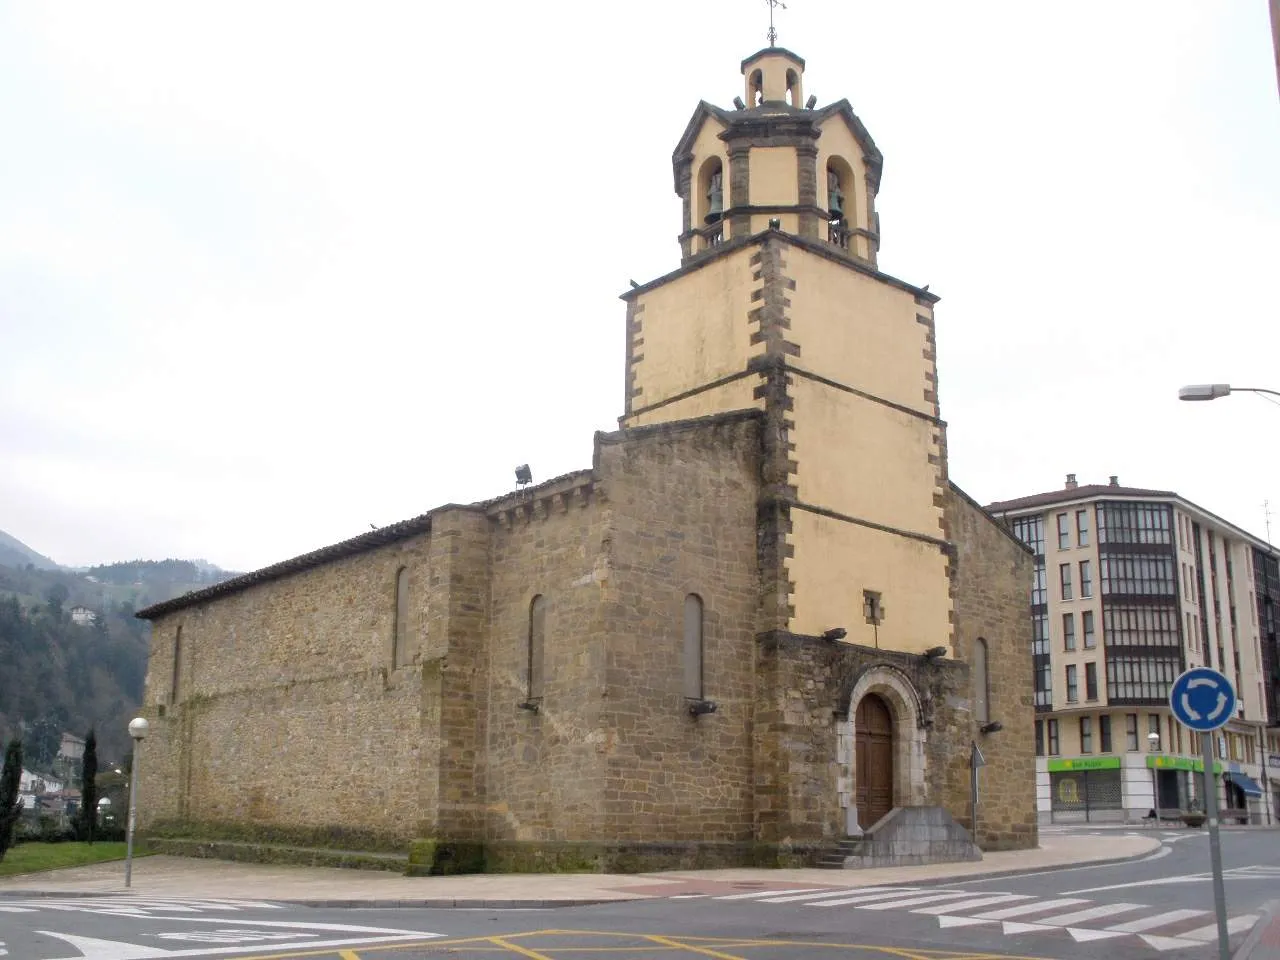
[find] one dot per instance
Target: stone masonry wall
(992, 575)
(682, 499)
(289, 714)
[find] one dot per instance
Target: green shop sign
(1162, 762)
(1084, 763)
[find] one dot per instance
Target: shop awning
(1245, 783)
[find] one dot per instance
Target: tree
(87, 817)
(10, 783)
(55, 597)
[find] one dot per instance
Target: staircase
(906, 836)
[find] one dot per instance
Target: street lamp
(1153, 744)
(103, 804)
(138, 727)
(1212, 391)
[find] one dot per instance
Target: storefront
(1085, 790)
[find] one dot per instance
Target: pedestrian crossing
(131, 906)
(1081, 918)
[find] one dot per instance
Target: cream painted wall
(707, 144)
(737, 395)
(695, 329)
(835, 561)
(773, 68)
(864, 459)
(789, 222)
(774, 177)
(858, 330)
(837, 140)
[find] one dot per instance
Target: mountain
(15, 553)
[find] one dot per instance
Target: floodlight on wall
(524, 475)
(531, 705)
(811, 103)
(834, 634)
(935, 653)
(698, 708)
(775, 223)
(738, 104)
(995, 726)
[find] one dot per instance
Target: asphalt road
(1159, 906)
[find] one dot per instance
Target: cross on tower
(773, 33)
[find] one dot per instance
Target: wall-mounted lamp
(523, 474)
(738, 104)
(775, 223)
(533, 706)
(935, 653)
(698, 708)
(811, 103)
(834, 634)
(995, 726)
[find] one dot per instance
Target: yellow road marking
(516, 948)
(692, 949)
(348, 955)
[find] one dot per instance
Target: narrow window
(1104, 733)
(1064, 580)
(981, 683)
(693, 656)
(1073, 686)
(1039, 738)
(1131, 731)
(1153, 726)
(1064, 533)
(174, 686)
(1053, 738)
(1090, 636)
(755, 91)
(536, 647)
(1091, 681)
(400, 640)
(1086, 734)
(1082, 527)
(1068, 631)
(1086, 578)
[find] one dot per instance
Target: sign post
(1203, 700)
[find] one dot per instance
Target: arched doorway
(873, 759)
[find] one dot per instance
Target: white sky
(272, 272)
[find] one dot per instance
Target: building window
(981, 683)
(1134, 523)
(1073, 691)
(1064, 532)
(1053, 737)
(400, 635)
(1138, 574)
(176, 681)
(1039, 587)
(1082, 527)
(1090, 635)
(1039, 738)
(1153, 726)
(1086, 578)
(1064, 580)
(1068, 631)
(1086, 734)
(1091, 681)
(536, 648)
(693, 656)
(1131, 731)
(1030, 530)
(1142, 678)
(1140, 626)
(1104, 733)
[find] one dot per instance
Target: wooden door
(874, 759)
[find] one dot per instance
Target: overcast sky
(273, 272)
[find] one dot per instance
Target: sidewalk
(163, 876)
(1263, 942)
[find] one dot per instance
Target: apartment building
(1133, 586)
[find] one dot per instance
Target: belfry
(763, 627)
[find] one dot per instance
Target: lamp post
(1153, 745)
(138, 727)
(103, 804)
(1213, 391)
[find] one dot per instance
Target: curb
(446, 903)
(1269, 911)
(1051, 868)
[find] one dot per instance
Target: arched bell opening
(709, 201)
(795, 93)
(755, 88)
(840, 202)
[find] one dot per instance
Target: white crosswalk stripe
(1083, 919)
(132, 906)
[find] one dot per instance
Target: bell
(835, 202)
(715, 198)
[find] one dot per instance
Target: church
(763, 627)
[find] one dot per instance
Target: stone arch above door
(896, 689)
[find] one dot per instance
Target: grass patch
(32, 857)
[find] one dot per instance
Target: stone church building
(763, 619)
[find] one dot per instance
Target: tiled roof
(1083, 492)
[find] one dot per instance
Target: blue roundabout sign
(1202, 699)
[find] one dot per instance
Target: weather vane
(773, 32)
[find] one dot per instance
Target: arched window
(755, 89)
(692, 651)
(400, 643)
(793, 88)
(840, 201)
(709, 199)
(981, 683)
(175, 685)
(536, 647)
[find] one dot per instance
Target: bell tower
(779, 305)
